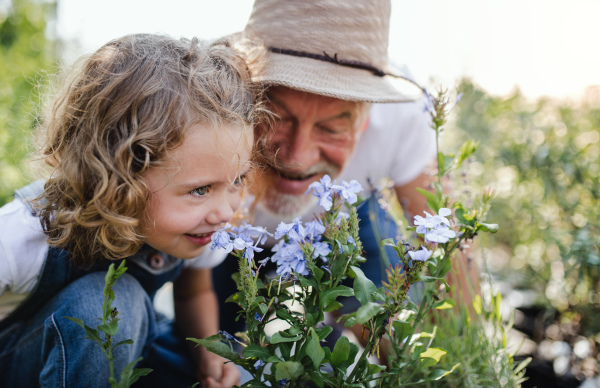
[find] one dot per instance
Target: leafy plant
(315, 257)
(544, 157)
(109, 328)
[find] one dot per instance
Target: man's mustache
(270, 159)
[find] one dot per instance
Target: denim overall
(39, 347)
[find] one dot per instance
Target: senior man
(341, 110)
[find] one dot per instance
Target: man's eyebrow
(349, 115)
(273, 98)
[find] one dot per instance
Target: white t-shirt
(398, 144)
(23, 251)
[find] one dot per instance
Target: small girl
(149, 145)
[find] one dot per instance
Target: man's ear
(365, 125)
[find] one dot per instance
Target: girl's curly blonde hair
(131, 102)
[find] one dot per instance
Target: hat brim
(334, 80)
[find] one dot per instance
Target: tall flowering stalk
(312, 259)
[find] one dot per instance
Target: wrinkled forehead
(297, 101)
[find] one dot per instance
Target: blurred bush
(27, 51)
(543, 159)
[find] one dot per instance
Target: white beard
(287, 206)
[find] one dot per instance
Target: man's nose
(299, 149)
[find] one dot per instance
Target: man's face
(312, 136)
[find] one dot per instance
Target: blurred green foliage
(543, 159)
(26, 53)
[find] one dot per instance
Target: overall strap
(30, 192)
(151, 268)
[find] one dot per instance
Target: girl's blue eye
(240, 180)
(200, 191)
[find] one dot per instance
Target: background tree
(27, 53)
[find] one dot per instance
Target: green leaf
(433, 202)
(367, 311)
(441, 162)
(215, 345)
(288, 370)
(439, 373)
(492, 228)
(387, 242)
(341, 351)
(255, 350)
(350, 322)
(124, 342)
(263, 308)
(363, 287)
(316, 378)
(78, 321)
(110, 328)
(236, 298)
(283, 313)
(332, 306)
(130, 376)
(444, 304)
(326, 297)
(324, 332)
(344, 353)
(318, 273)
(279, 338)
(314, 349)
(89, 332)
(375, 368)
(402, 329)
(429, 279)
(434, 353)
(467, 149)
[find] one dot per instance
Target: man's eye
(200, 191)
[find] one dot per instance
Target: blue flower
(351, 240)
(282, 383)
(222, 239)
(249, 232)
(228, 336)
(322, 190)
(289, 258)
(258, 364)
(294, 230)
(314, 230)
(321, 249)
(258, 317)
(348, 190)
(421, 255)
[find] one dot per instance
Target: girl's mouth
(199, 239)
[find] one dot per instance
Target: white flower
(441, 235)
(421, 255)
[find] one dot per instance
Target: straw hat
(335, 48)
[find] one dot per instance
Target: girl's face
(197, 189)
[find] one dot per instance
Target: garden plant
(314, 258)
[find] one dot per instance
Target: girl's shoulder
(23, 248)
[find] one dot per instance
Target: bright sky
(546, 47)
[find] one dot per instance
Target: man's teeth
(297, 178)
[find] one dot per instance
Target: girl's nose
(223, 209)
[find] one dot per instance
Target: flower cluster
(325, 190)
(295, 238)
(289, 252)
(241, 238)
(436, 229)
